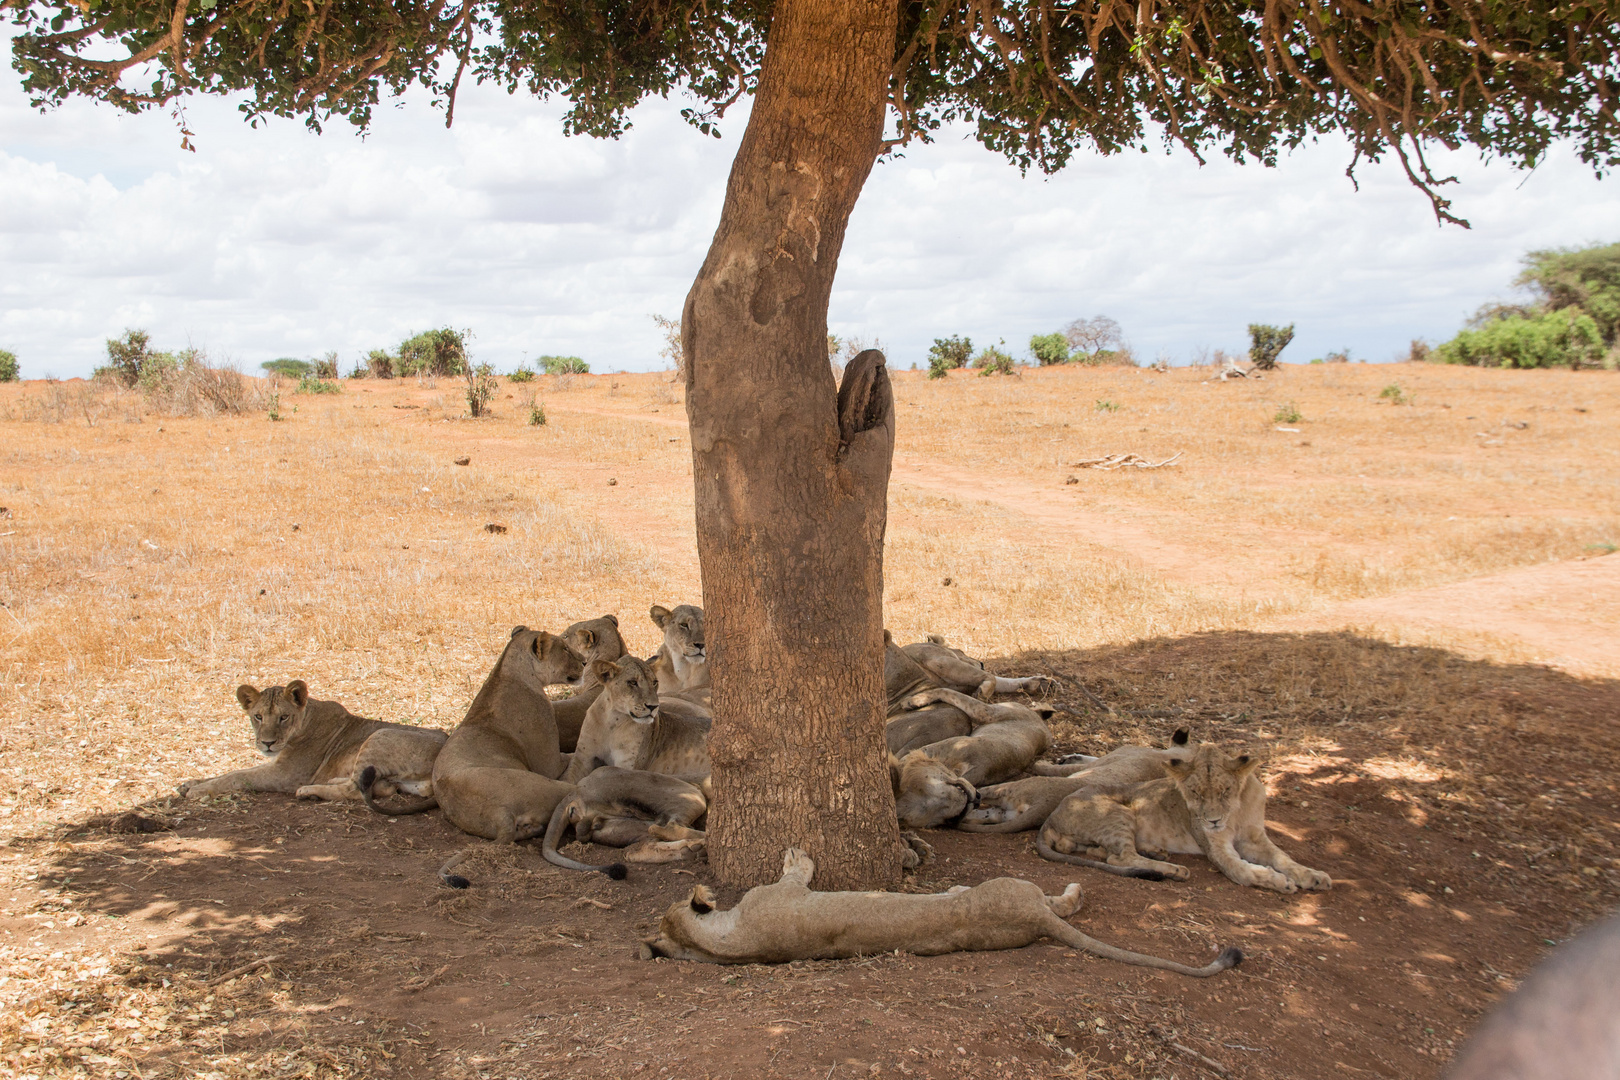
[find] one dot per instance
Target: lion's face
(928, 794)
(683, 631)
(276, 713)
(630, 686)
(595, 639)
(1211, 783)
(545, 658)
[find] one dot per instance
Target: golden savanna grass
(150, 562)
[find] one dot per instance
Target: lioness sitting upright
(318, 750)
(631, 727)
(775, 924)
(590, 640)
(1210, 802)
(682, 662)
(497, 776)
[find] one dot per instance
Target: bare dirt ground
(1416, 626)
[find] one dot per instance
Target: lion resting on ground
(682, 661)
(1024, 804)
(496, 777)
(936, 784)
(319, 749)
(648, 814)
(1210, 802)
(929, 664)
(591, 640)
(632, 727)
(775, 924)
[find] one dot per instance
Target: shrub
(8, 366)
(128, 357)
(434, 352)
(1088, 337)
(1266, 343)
(288, 368)
(1288, 413)
(1340, 357)
(671, 350)
(1566, 337)
(1123, 356)
(947, 354)
(1418, 352)
(327, 366)
(1049, 349)
(1394, 395)
(481, 387)
(994, 361)
(309, 384)
(564, 365)
(537, 415)
(1584, 279)
(1104, 405)
(524, 373)
(274, 407)
(380, 363)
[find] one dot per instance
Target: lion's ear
(516, 630)
(1243, 765)
(541, 643)
(702, 900)
(604, 670)
(298, 692)
(888, 638)
(1045, 712)
(660, 615)
(1178, 767)
(1180, 737)
(246, 696)
(894, 773)
(587, 637)
(614, 619)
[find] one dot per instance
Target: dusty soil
(1460, 795)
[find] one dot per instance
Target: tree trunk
(791, 473)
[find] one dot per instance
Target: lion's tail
(1017, 824)
(548, 847)
(1067, 934)
(399, 805)
(1080, 860)
(455, 881)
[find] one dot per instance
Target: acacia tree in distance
(790, 470)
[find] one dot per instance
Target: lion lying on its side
(774, 924)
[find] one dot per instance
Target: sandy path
(1566, 614)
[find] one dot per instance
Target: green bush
(309, 384)
(288, 368)
(524, 373)
(537, 415)
(327, 366)
(380, 363)
(1049, 349)
(1585, 279)
(994, 361)
(127, 357)
(1566, 337)
(1104, 405)
(1287, 413)
(1266, 343)
(8, 366)
(564, 365)
(481, 387)
(947, 354)
(1394, 395)
(434, 352)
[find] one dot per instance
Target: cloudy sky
(276, 242)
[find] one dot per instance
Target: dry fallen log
(1122, 461)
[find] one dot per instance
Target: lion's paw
(798, 864)
(308, 791)
(191, 789)
(917, 852)
(1306, 878)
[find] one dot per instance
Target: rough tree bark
(791, 472)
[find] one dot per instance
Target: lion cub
(1210, 802)
(319, 749)
(775, 924)
(631, 727)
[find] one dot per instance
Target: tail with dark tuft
(1230, 957)
(398, 806)
(618, 872)
(560, 821)
(455, 881)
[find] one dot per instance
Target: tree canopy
(1039, 79)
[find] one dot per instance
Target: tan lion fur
(631, 727)
(1006, 740)
(496, 777)
(682, 661)
(591, 640)
(622, 808)
(319, 749)
(786, 921)
(1024, 804)
(1210, 803)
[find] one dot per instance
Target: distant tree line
(1570, 321)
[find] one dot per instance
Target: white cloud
(276, 242)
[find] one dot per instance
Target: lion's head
(595, 639)
(683, 631)
(928, 793)
(1211, 783)
(630, 686)
(276, 713)
(542, 658)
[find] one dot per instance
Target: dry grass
(149, 563)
